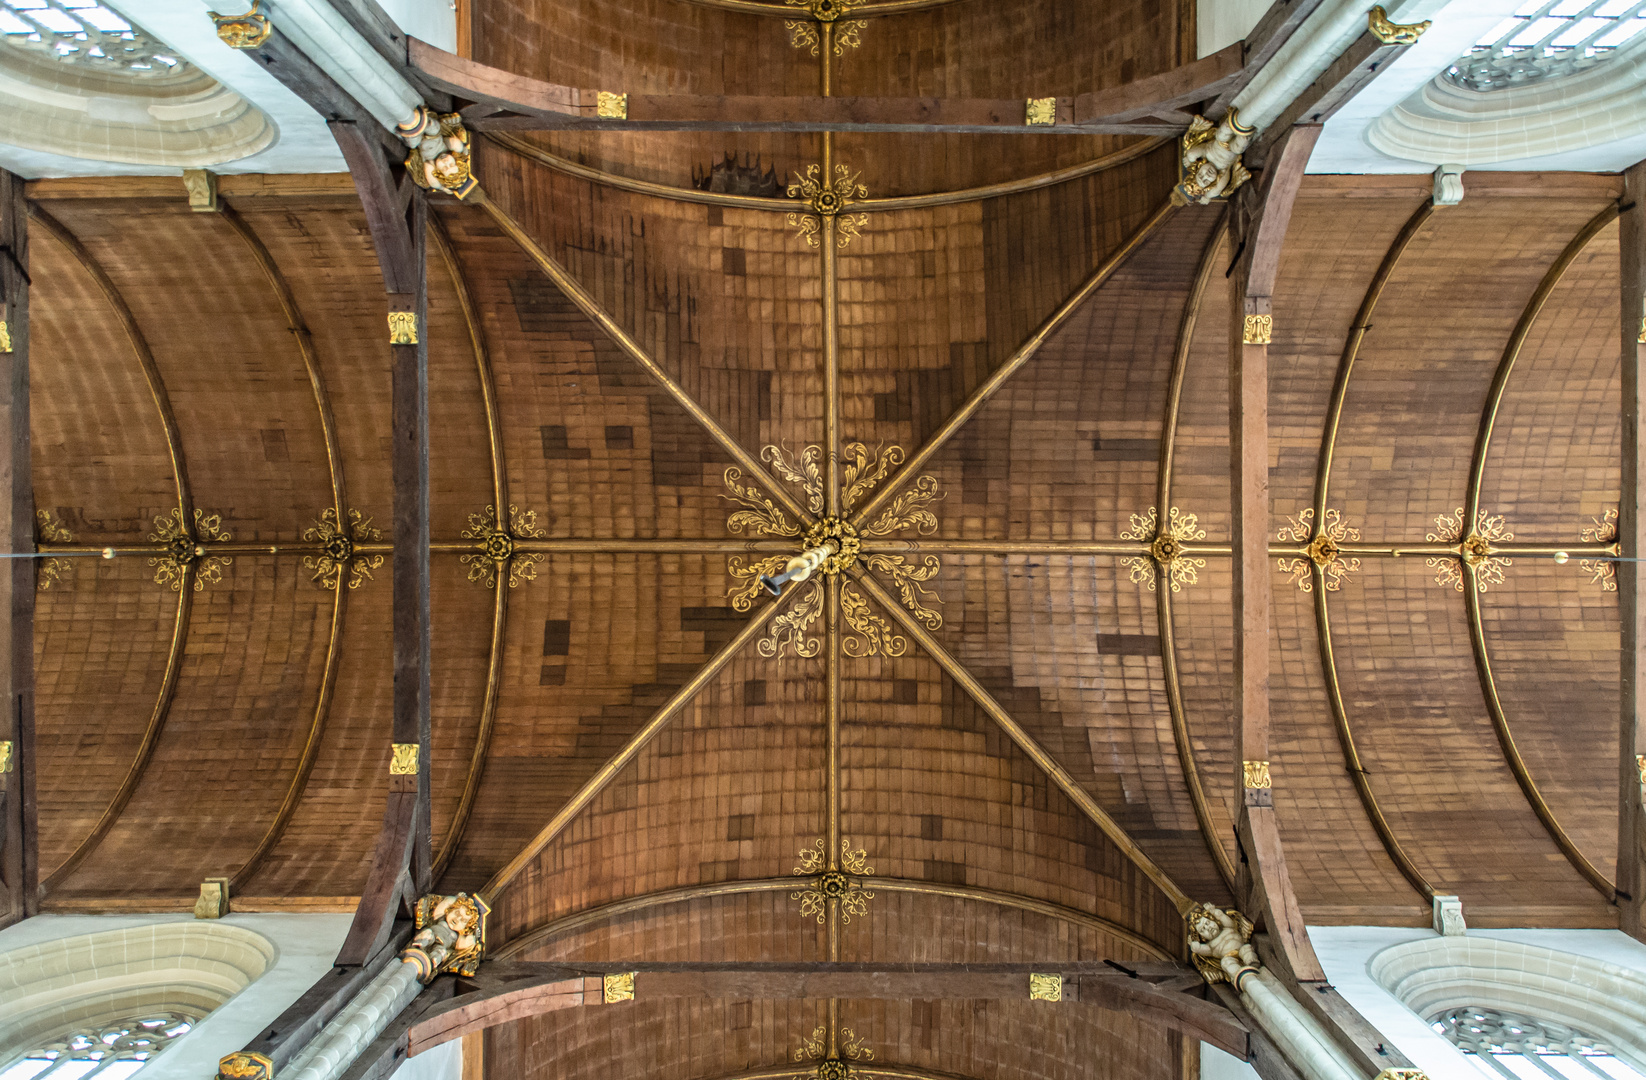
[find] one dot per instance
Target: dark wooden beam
(303, 77)
(497, 99)
(1274, 29)
(1349, 74)
(1631, 836)
(1166, 994)
(19, 858)
(371, 22)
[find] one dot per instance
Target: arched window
(1512, 1045)
(1544, 39)
(85, 32)
(109, 1051)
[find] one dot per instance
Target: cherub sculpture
(1220, 944)
(1211, 157)
(451, 936)
(439, 159)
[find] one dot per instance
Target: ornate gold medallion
(841, 886)
(1319, 549)
(185, 548)
(1602, 572)
(1167, 548)
(498, 553)
(828, 199)
(1474, 549)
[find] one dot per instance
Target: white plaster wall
(1345, 952)
(435, 21)
(1216, 1065)
(1221, 23)
(444, 1062)
(305, 946)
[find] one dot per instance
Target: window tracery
(1545, 39)
(1509, 1044)
(86, 33)
(109, 1051)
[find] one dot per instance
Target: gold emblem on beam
(803, 33)
(1640, 764)
(834, 1063)
(48, 530)
(828, 199)
(1402, 1074)
(246, 31)
(338, 553)
(498, 553)
(1320, 548)
(1377, 21)
(617, 986)
(403, 759)
(1640, 338)
(1040, 110)
(1256, 774)
(5, 756)
(1167, 548)
(842, 886)
(402, 328)
(1258, 330)
(185, 547)
(1474, 549)
(1045, 987)
(1602, 572)
(245, 1065)
(5, 337)
(610, 106)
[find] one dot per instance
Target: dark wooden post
(19, 863)
(1631, 832)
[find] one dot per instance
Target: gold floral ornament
(451, 936)
(801, 469)
(788, 630)
(498, 549)
(864, 471)
(803, 32)
(1322, 549)
(828, 199)
(872, 635)
(245, 1065)
(440, 158)
(186, 547)
(1166, 548)
(338, 554)
(841, 886)
(246, 31)
(834, 1064)
(1602, 572)
(1391, 33)
(1474, 549)
(48, 530)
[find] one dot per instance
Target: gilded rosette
(1475, 549)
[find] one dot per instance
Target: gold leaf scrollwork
(800, 469)
(815, 1047)
(788, 630)
(1166, 548)
(840, 885)
(763, 517)
(827, 199)
(48, 530)
(910, 580)
(498, 551)
(1320, 549)
(874, 635)
(1602, 572)
(908, 511)
(748, 588)
(802, 32)
(860, 477)
(1474, 549)
(185, 547)
(338, 552)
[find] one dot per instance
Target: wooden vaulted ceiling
(241, 728)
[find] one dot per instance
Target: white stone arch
(93, 979)
(1600, 999)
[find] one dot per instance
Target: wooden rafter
(19, 853)
(1631, 825)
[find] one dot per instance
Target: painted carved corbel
(440, 152)
(451, 936)
(1211, 158)
(1220, 944)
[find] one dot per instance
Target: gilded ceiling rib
(1025, 742)
(517, 145)
(586, 303)
(185, 511)
(500, 603)
(1323, 627)
(334, 465)
(1163, 596)
(1472, 568)
(566, 924)
(979, 397)
(660, 719)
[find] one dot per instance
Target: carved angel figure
(451, 935)
(1211, 157)
(1220, 944)
(439, 157)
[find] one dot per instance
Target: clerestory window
(1548, 38)
(86, 33)
(111, 1051)
(1509, 1046)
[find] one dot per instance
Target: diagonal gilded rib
(586, 303)
(1011, 364)
(595, 784)
(1025, 742)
